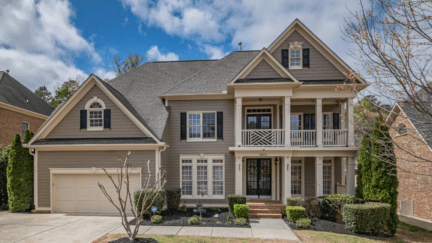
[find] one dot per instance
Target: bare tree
(121, 67)
(393, 43)
(147, 191)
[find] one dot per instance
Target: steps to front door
(263, 208)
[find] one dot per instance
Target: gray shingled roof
(422, 122)
(66, 141)
(14, 93)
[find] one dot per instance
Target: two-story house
(266, 124)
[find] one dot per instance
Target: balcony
(299, 138)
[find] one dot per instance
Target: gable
(263, 70)
(320, 67)
(121, 124)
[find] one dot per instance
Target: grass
(412, 228)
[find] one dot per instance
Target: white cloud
(104, 74)
(153, 54)
(214, 52)
(254, 22)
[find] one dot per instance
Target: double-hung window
(202, 176)
(201, 126)
(327, 121)
(24, 127)
(95, 114)
(327, 176)
(295, 55)
(297, 177)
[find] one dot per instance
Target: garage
(80, 193)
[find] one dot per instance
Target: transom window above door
(201, 126)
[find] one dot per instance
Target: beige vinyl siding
(320, 67)
(121, 125)
(263, 70)
(86, 159)
(171, 159)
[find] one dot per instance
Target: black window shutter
(313, 121)
(285, 57)
(306, 58)
(306, 122)
(336, 121)
(83, 119)
(107, 118)
(183, 128)
(219, 125)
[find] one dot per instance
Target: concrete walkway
(260, 228)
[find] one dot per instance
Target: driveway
(27, 227)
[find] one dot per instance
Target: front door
(258, 177)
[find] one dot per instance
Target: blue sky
(46, 42)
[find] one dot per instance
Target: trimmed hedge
(294, 201)
(366, 218)
(173, 199)
(158, 202)
(235, 199)
(156, 219)
(241, 210)
(303, 222)
(295, 212)
(332, 205)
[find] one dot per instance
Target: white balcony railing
(267, 137)
(335, 137)
(300, 138)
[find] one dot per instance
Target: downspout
(159, 163)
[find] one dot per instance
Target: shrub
(303, 222)
(230, 216)
(241, 221)
(366, 218)
(294, 201)
(4, 154)
(156, 219)
(215, 209)
(173, 199)
(194, 219)
(235, 199)
(313, 207)
(295, 212)
(332, 205)
(158, 202)
(241, 210)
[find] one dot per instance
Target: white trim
(296, 46)
(303, 189)
(22, 111)
(35, 180)
(332, 184)
(94, 100)
(209, 164)
(201, 139)
(88, 109)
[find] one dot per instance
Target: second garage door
(81, 193)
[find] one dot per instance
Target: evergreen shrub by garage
(158, 201)
(366, 218)
(294, 201)
(241, 210)
(156, 219)
(173, 199)
(295, 212)
(235, 199)
(333, 204)
(4, 154)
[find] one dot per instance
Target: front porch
(276, 178)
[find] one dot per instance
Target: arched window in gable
(95, 117)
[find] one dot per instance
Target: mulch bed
(137, 240)
(329, 226)
(181, 219)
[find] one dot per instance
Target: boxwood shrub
(240, 221)
(332, 205)
(235, 199)
(303, 222)
(158, 202)
(194, 220)
(173, 199)
(295, 212)
(241, 210)
(366, 218)
(294, 201)
(156, 219)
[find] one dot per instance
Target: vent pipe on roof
(240, 45)
(7, 71)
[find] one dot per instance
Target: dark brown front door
(258, 177)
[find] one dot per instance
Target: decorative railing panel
(268, 137)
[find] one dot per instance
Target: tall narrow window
(24, 127)
(201, 126)
(218, 177)
(296, 177)
(327, 122)
(295, 55)
(186, 179)
(327, 177)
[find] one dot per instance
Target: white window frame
(87, 107)
(210, 164)
(296, 46)
(28, 127)
(331, 120)
(258, 107)
(301, 122)
(302, 177)
(332, 175)
(200, 139)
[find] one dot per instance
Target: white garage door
(81, 193)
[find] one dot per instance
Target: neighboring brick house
(411, 132)
(20, 109)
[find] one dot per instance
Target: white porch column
(319, 123)
(286, 179)
(238, 122)
(239, 176)
(350, 176)
(350, 121)
(318, 176)
(343, 119)
(287, 121)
